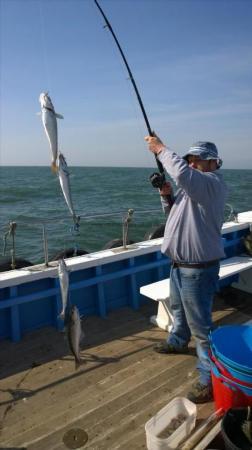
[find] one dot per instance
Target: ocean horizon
(31, 196)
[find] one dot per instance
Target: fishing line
(135, 111)
(43, 45)
(157, 179)
(139, 124)
(132, 99)
(147, 156)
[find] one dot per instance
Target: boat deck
(119, 387)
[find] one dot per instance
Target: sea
(102, 196)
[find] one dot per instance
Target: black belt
(202, 265)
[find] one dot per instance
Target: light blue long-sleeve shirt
(193, 227)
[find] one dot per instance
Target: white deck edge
(38, 272)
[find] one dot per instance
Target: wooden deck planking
(95, 371)
(121, 386)
(129, 406)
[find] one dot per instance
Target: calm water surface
(31, 196)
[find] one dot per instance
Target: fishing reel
(157, 180)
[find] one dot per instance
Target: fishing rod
(157, 179)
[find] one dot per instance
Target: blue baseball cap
(204, 150)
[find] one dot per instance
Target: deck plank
(122, 384)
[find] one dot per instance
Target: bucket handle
(229, 382)
(221, 368)
(230, 363)
(223, 371)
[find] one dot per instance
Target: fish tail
(54, 167)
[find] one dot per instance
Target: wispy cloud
(230, 62)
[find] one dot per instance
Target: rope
(233, 214)
(126, 221)
(8, 234)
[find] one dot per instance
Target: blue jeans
(191, 298)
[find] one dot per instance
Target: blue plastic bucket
(232, 345)
(239, 374)
(235, 375)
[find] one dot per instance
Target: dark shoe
(164, 347)
(201, 393)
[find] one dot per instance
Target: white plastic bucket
(156, 427)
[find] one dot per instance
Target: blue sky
(192, 62)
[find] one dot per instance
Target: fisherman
(192, 240)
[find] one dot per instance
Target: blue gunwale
(99, 282)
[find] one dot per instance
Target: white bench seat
(160, 291)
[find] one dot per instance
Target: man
(192, 240)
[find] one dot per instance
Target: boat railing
(52, 231)
(119, 227)
(99, 282)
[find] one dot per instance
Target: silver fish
(74, 333)
(64, 285)
(49, 117)
(65, 184)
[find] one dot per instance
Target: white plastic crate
(156, 427)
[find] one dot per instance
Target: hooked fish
(49, 117)
(74, 333)
(64, 285)
(63, 173)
